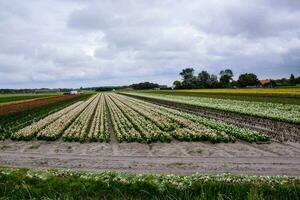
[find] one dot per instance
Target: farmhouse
(265, 83)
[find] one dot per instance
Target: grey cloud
(85, 43)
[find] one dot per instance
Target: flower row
(99, 126)
(282, 112)
(54, 130)
(152, 124)
(232, 130)
(28, 132)
(78, 130)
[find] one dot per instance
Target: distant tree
(226, 77)
(203, 79)
(188, 78)
(248, 80)
(177, 84)
(213, 81)
(297, 80)
(144, 86)
(187, 73)
(292, 79)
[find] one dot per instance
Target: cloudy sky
(65, 43)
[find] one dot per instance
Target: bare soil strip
(175, 157)
(281, 131)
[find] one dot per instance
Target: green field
(13, 98)
(58, 184)
(273, 95)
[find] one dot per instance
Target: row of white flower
(99, 126)
(55, 129)
(123, 128)
(283, 112)
(149, 131)
(232, 130)
(180, 127)
(77, 131)
(30, 131)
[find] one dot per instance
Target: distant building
(74, 92)
(265, 83)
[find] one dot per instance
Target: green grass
(287, 96)
(57, 184)
(12, 122)
(12, 98)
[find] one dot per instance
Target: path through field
(175, 157)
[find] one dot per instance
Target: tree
(226, 77)
(189, 80)
(248, 80)
(292, 79)
(203, 79)
(144, 86)
(213, 81)
(177, 84)
(187, 73)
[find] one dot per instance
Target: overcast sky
(65, 43)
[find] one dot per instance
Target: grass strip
(66, 184)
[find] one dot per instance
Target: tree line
(225, 80)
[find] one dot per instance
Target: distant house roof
(264, 82)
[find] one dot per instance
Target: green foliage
(56, 184)
(226, 77)
(248, 80)
(144, 86)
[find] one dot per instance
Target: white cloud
(68, 43)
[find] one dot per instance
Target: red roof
(264, 82)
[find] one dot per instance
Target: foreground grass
(273, 95)
(57, 184)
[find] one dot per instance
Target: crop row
(154, 126)
(91, 124)
(11, 123)
(131, 120)
(29, 132)
(73, 123)
(184, 126)
(147, 129)
(281, 112)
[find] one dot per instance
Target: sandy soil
(176, 157)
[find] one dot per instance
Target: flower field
(130, 120)
(281, 112)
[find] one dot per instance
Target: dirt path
(175, 157)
